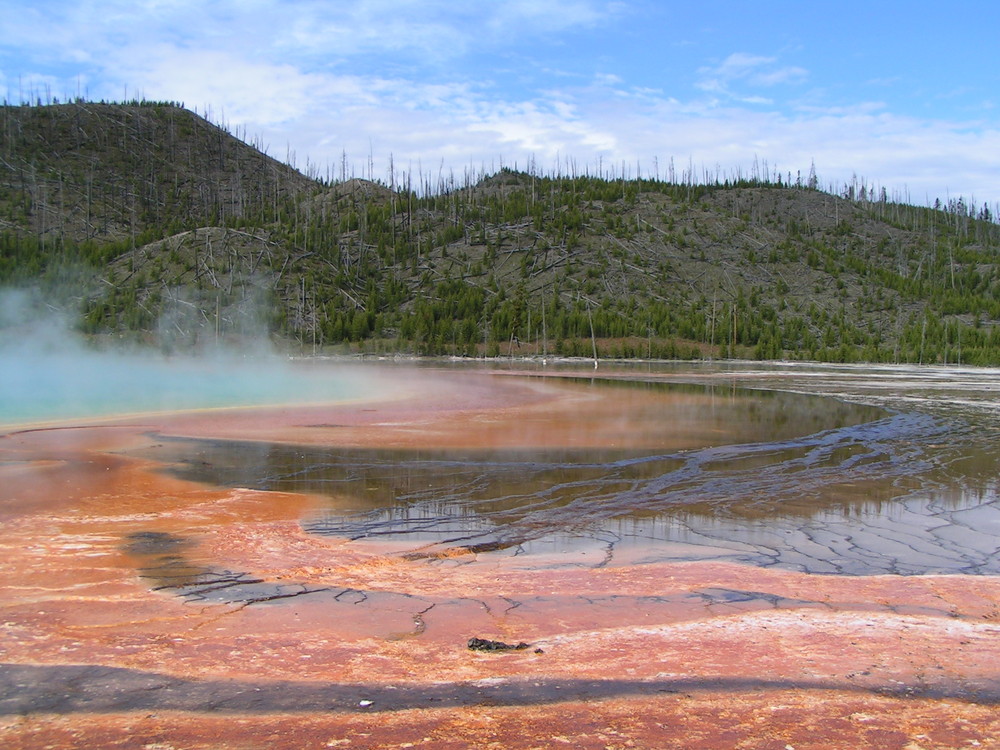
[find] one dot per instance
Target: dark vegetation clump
(482, 644)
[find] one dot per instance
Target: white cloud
(789, 74)
(748, 70)
(428, 30)
(261, 93)
(535, 129)
(592, 126)
(741, 64)
(608, 79)
(532, 16)
(342, 30)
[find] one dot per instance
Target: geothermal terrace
(693, 557)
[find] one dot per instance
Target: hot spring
(646, 470)
(40, 386)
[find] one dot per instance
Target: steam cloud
(48, 372)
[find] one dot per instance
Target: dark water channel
(767, 478)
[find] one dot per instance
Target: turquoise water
(54, 386)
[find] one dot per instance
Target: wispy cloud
(604, 123)
(261, 93)
(752, 71)
(531, 16)
(431, 30)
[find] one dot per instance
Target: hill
(173, 230)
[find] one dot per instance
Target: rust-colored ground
(627, 655)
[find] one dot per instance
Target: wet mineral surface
(679, 557)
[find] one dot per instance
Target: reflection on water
(764, 478)
(907, 535)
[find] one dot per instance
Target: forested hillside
(160, 226)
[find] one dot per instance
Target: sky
(896, 95)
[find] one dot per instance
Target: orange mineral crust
(141, 609)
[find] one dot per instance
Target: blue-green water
(53, 386)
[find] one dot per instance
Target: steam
(48, 372)
(193, 322)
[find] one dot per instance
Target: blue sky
(903, 95)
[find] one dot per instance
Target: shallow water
(78, 384)
(820, 484)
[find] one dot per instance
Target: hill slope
(187, 233)
(102, 171)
